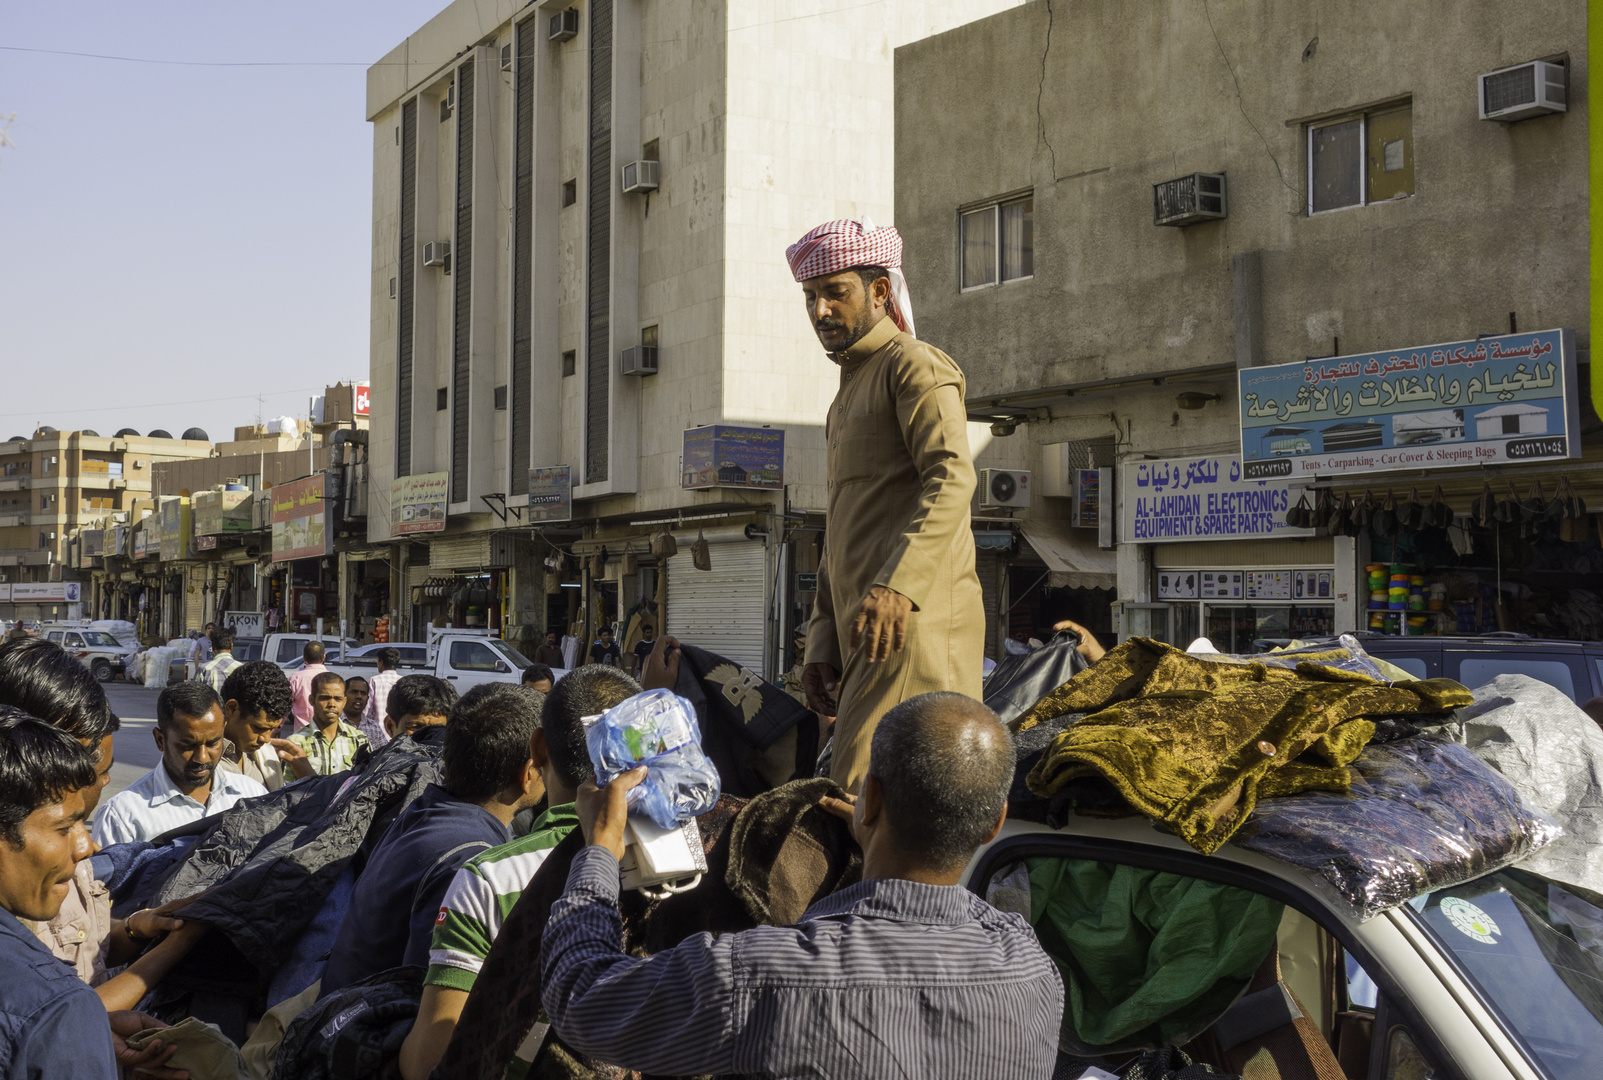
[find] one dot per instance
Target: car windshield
(100, 639)
(511, 655)
(1535, 949)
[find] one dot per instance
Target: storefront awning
(1072, 555)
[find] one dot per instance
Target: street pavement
(135, 747)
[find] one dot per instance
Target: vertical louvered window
(598, 346)
(519, 418)
(462, 284)
(406, 291)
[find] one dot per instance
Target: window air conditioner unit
(1004, 488)
(564, 25)
(1190, 199)
(641, 176)
(450, 94)
(506, 58)
(436, 253)
(639, 360)
(1523, 91)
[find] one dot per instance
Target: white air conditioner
(639, 360)
(1189, 199)
(1004, 488)
(506, 58)
(1524, 91)
(564, 25)
(641, 176)
(436, 253)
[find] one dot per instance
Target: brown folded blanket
(1194, 743)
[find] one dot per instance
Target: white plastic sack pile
(158, 661)
(120, 629)
(1552, 753)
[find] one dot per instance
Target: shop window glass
(1476, 671)
(1361, 160)
(1336, 164)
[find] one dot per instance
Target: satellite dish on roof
(159, 434)
(196, 434)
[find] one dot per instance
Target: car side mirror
(500, 665)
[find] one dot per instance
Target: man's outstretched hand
(820, 682)
(880, 625)
(661, 669)
(603, 811)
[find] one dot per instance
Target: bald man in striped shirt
(904, 974)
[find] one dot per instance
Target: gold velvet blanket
(1195, 743)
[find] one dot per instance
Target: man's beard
(854, 333)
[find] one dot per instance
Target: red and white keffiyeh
(840, 245)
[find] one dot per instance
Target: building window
(648, 336)
(570, 362)
(570, 192)
(1359, 160)
(997, 243)
(442, 399)
(501, 397)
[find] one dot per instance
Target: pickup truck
(462, 658)
(284, 649)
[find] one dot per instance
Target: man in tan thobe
(898, 611)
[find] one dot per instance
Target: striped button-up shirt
(153, 804)
(215, 672)
(888, 978)
(378, 696)
(329, 756)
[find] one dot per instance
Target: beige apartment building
(1123, 216)
(580, 215)
(57, 482)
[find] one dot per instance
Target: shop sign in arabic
(299, 523)
(1510, 398)
(417, 503)
(1202, 498)
(551, 493)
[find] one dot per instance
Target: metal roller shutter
(462, 276)
(721, 611)
(598, 341)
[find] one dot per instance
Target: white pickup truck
(285, 649)
(464, 658)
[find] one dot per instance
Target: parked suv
(1575, 667)
(102, 654)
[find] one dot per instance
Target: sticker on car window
(1470, 920)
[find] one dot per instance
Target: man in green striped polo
(487, 887)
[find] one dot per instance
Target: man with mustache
(186, 784)
(898, 612)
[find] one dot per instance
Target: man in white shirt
(187, 784)
(378, 696)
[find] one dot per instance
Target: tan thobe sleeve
(823, 644)
(934, 423)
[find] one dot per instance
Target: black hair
(39, 678)
(389, 657)
(353, 678)
(222, 640)
(871, 274)
(192, 698)
(419, 695)
(944, 763)
(40, 764)
(323, 678)
(487, 739)
(587, 691)
(260, 687)
(313, 652)
(537, 673)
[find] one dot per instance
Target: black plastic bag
(1018, 682)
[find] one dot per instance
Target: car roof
(1380, 644)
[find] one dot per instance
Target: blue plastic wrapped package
(656, 729)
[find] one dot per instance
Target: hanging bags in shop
(1439, 515)
(1383, 523)
(701, 552)
(1300, 516)
(1412, 514)
(663, 545)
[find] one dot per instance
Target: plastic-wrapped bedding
(1423, 814)
(657, 729)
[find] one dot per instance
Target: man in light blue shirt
(187, 784)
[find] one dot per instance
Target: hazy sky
(177, 240)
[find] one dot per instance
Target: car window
(246, 651)
(473, 656)
(510, 655)
(1414, 665)
(55, 635)
(74, 641)
(1478, 669)
(416, 654)
(1536, 951)
(287, 651)
(100, 639)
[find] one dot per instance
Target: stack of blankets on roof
(1387, 787)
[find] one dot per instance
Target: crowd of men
(903, 973)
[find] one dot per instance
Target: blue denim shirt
(51, 1023)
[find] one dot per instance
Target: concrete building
(580, 216)
(1113, 209)
(59, 481)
